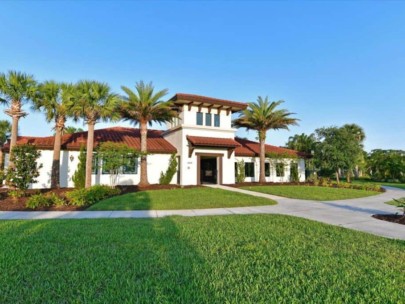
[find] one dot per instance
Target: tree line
(339, 152)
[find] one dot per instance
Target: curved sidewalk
(353, 213)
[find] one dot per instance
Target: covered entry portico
(211, 153)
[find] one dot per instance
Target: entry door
(209, 171)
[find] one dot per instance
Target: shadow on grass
(103, 260)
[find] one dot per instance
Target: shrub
(92, 195)
(401, 204)
(166, 178)
(79, 177)
(44, 200)
(38, 200)
(16, 194)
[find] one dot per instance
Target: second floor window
(199, 119)
(208, 119)
(217, 122)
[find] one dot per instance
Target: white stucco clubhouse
(202, 138)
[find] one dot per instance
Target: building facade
(202, 138)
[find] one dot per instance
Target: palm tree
(359, 135)
(71, 130)
(54, 99)
(263, 116)
(93, 102)
(144, 107)
(302, 142)
(5, 129)
(16, 88)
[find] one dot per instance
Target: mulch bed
(18, 204)
(393, 218)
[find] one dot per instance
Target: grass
(312, 192)
(193, 198)
(221, 259)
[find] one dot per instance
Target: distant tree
(337, 149)
(263, 116)
(55, 101)
(16, 88)
(93, 102)
(386, 165)
(71, 130)
(143, 107)
(302, 143)
(25, 169)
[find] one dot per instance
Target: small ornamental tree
(25, 169)
(240, 171)
(79, 177)
(166, 178)
(115, 158)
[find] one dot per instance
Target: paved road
(353, 213)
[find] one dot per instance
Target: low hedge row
(80, 197)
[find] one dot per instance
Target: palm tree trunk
(55, 177)
(89, 153)
(13, 140)
(262, 139)
(337, 176)
(144, 165)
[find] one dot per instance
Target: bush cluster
(326, 182)
(44, 200)
(90, 196)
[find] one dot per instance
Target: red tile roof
(129, 136)
(212, 142)
(252, 148)
(236, 106)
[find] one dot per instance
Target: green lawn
(191, 198)
(367, 181)
(220, 259)
(312, 192)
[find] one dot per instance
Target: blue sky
(332, 62)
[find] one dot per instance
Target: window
(199, 119)
(280, 170)
(267, 169)
(208, 119)
(216, 120)
(249, 169)
(130, 166)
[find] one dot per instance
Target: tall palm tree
(16, 88)
(5, 129)
(143, 107)
(93, 102)
(263, 116)
(55, 100)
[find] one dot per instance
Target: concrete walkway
(353, 213)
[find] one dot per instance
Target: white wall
(156, 164)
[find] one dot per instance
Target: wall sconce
(71, 158)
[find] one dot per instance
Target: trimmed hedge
(92, 195)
